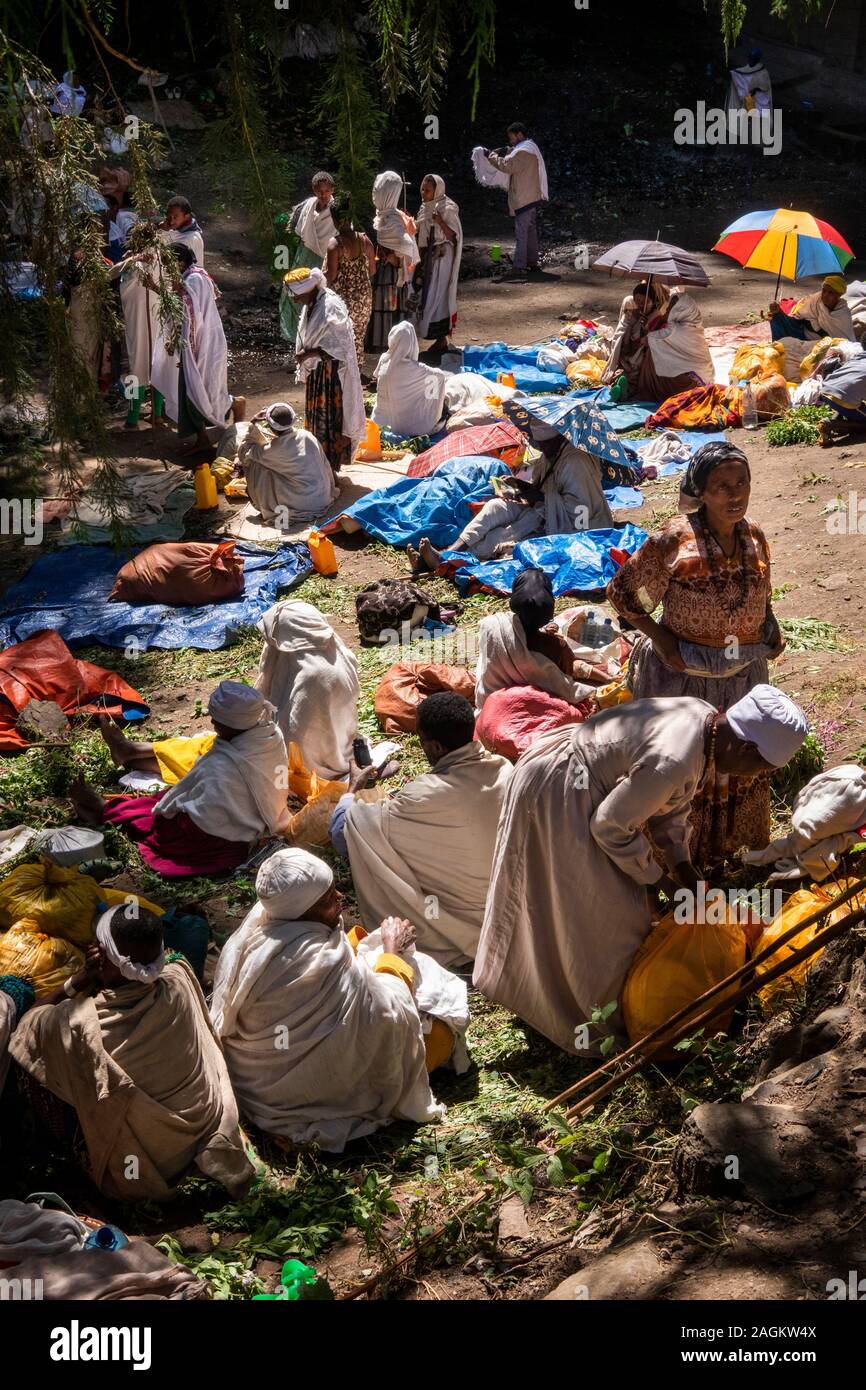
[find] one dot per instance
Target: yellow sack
(46, 960)
(587, 368)
(175, 756)
(61, 902)
(222, 469)
(677, 963)
(308, 785)
(616, 693)
(779, 993)
(755, 361)
(816, 354)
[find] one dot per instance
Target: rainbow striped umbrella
(785, 242)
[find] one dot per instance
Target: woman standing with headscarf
(396, 254)
(310, 228)
(311, 677)
(710, 571)
(440, 239)
(328, 363)
(289, 480)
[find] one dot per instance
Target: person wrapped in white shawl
(440, 237)
(311, 227)
(823, 314)
(679, 348)
(311, 677)
(289, 480)
(827, 818)
(515, 648)
(410, 396)
(194, 378)
(322, 1045)
(327, 362)
(390, 225)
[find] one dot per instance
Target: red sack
(511, 720)
(43, 668)
(189, 573)
(406, 683)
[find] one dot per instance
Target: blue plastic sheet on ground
(68, 591)
(623, 497)
(692, 439)
(627, 415)
(578, 563)
(437, 507)
(522, 362)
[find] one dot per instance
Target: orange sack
(186, 573)
(43, 668)
(406, 683)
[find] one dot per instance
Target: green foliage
(351, 124)
(811, 635)
(799, 425)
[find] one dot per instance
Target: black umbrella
(657, 260)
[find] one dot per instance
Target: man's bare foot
(88, 803)
(430, 555)
(414, 559)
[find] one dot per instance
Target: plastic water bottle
(750, 409)
(594, 633)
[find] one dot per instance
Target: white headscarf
(129, 969)
(238, 706)
(409, 395)
(390, 228)
(275, 425)
(314, 279)
(772, 721)
(446, 208)
(290, 882)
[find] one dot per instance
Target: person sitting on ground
(327, 362)
(324, 1045)
(311, 677)
(123, 1061)
(226, 802)
(678, 357)
(574, 851)
(426, 852)
(289, 480)
(192, 375)
(564, 494)
(181, 228)
(521, 648)
(823, 314)
(410, 396)
(640, 313)
(843, 388)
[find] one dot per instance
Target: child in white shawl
(311, 677)
(312, 221)
(409, 395)
(440, 236)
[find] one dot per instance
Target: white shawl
(314, 227)
(319, 1048)
(681, 346)
(425, 854)
(505, 660)
(205, 353)
(430, 235)
(491, 177)
(238, 789)
(326, 324)
(825, 818)
(409, 395)
(826, 323)
(311, 676)
(287, 474)
(389, 226)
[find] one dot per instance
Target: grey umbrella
(670, 265)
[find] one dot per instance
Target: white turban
(129, 969)
(314, 279)
(290, 882)
(279, 426)
(769, 719)
(238, 706)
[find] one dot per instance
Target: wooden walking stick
(709, 994)
(811, 948)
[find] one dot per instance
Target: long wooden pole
(664, 1028)
(722, 1006)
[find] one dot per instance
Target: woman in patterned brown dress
(710, 571)
(350, 266)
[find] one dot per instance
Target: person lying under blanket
(231, 798)
(426, 853)
(122, 1062)
(326, 1036)
(563, 495)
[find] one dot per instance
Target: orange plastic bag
(48, 961)
(406, 683)
(184, 573)
(781, 992)
(677, 963)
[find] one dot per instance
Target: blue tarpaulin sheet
(436, 507)
(629, 415)
(622, 498)
(522, 362)
(68, 590)
(578, 563)
(693, 439)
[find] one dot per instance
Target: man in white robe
(568, 905)
(139, 301)
(324, 1045)
(289, 480)
(426, 852)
